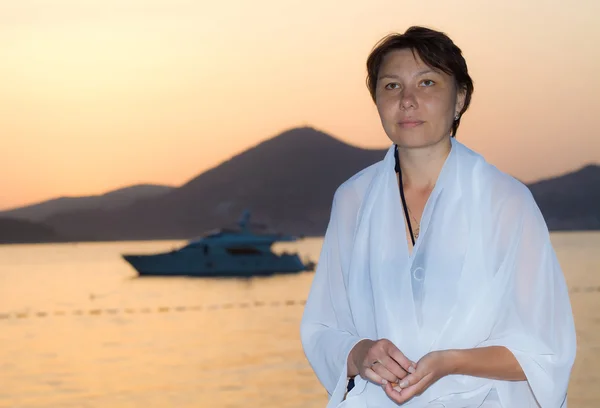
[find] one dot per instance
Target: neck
(421, 166)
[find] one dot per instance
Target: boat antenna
(244, 219)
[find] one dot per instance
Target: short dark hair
(435, 48)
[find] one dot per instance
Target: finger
(381, 369)
(405, 394)
(394, 393)
(411, 390)
(394, 368)
(401, 359)
(409, 380)
(373, 376)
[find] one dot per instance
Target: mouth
(410, 123)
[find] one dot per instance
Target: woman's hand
(379, 362)
(430, 368)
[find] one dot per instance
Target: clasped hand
(382, 363)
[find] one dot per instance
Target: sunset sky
(101, 94)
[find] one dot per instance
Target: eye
(427, 82)
(392, 85)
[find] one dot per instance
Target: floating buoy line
(149, 310)
(182, 309)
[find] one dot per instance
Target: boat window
(242, 251)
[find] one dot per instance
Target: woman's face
(416, 103)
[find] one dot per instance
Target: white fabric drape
(483, 272)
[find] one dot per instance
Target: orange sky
(100, 94)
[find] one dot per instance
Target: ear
(461, 96)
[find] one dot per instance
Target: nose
(408, 100)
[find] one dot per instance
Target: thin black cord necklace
(397, 168)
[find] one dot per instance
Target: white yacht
(223, 253)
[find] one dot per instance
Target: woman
(437, 284)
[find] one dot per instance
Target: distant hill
(111, 200)
(571, 201)
(22, 231)
(288, 183)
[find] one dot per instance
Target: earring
(456, 117)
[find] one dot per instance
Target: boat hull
(182, 264)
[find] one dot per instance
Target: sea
(80, 329)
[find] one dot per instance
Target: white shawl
(483, 272)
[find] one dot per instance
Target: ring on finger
(375, 362)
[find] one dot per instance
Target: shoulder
(347, 202)
(505, 194)
(505, 187)
(508, 193)
(352, 191)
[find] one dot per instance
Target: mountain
(571, 201)
(23, 231)
(111, 200)
(288, 183)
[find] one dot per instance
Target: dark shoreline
(87, 241)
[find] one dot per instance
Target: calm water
(78, 329)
